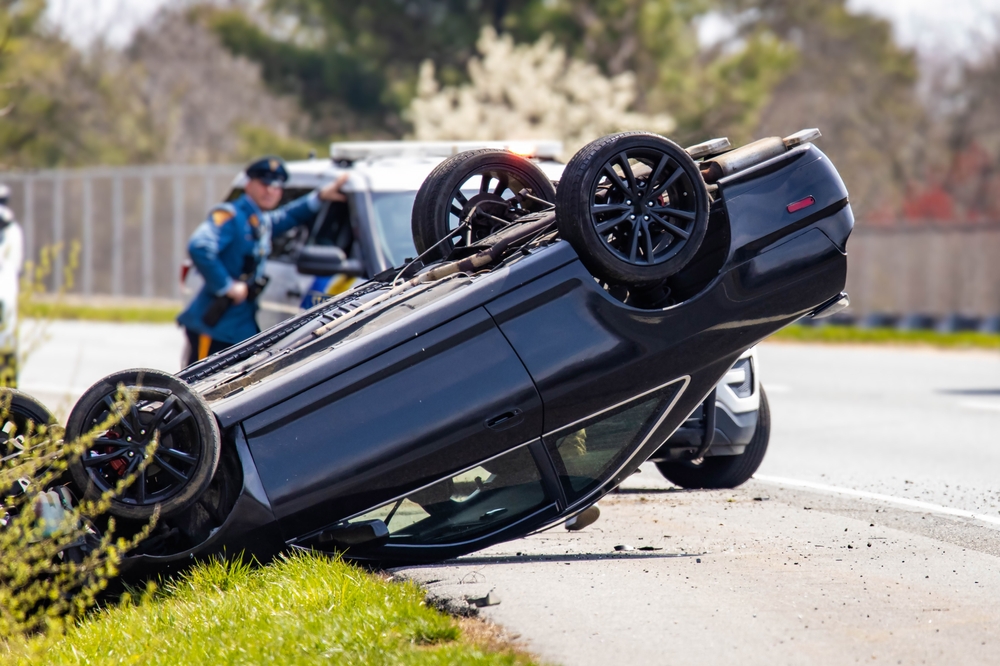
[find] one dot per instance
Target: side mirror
(324, 260)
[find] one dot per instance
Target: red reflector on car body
(800, 204)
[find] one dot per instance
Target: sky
(952, 28)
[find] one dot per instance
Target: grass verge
(55, 309)
(851, 334)
(301, 609)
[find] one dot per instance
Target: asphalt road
(897, 448)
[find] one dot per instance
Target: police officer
(229, 249)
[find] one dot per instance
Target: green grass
(157, 314)
(851, 334)
(301, 609)
(54, 309)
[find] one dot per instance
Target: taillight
(185, 269)
(800, 204)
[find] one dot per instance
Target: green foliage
(57, 308)
(256, 140)
(359, 60)
(851, 334)
(851, 80)
(59, 108)
(42, 588)
(302, 609)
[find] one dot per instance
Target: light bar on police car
(352, 151)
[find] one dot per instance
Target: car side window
(584, 453)
(466, 506)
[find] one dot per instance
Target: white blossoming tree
(528, 91)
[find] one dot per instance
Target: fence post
(178, 229)
(147, 236)
(29, 219)
(88, 236)
(209, 192)
(117, 234)
(58, 248)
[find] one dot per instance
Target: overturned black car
(546, 343)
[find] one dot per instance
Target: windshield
(392, 221)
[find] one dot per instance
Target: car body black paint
(401, 398)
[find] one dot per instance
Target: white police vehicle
(371, 233)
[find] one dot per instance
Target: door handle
(293, 293)
(506, 420)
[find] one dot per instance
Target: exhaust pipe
(753, 154)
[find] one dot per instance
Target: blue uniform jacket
(218, 247)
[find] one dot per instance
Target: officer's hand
(238, 292)
(331, 192)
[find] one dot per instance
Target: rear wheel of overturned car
(490, 189)
(161, 407)
(634, 206)
(717, 472)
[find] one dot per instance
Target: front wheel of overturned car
(718, 472)
(634, 206)
(488, 189)
(160, 407)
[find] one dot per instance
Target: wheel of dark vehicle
(162, 407)
(718, 472)
(634, 206)
(488, 188)
(21, 419)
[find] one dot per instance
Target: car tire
(25, 414)
(183, 463)
(718, 472)
(634, 206)
(440, 205)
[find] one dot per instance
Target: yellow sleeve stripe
(220, 217)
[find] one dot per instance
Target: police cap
(270, 170)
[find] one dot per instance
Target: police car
(371, 232)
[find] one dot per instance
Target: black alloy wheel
(634, 206)
(163, 408)
(24, 420)
(490, 189)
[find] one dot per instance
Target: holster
(220, 304)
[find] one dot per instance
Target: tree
(528, 92)
(354, 65)
(715, 91)
(203, 103)
(59, 107)
(855, 84)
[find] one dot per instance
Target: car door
(425, 410)
(289, 292)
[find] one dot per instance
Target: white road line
(864, 494)
(976, 404)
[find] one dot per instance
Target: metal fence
(132, 223)
(936, 270)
